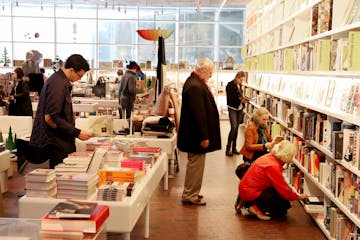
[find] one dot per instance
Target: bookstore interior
(302, 59)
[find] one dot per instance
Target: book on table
(85, 225)
(72, 209)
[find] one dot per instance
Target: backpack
(242, 169)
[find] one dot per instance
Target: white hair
(204, 63)
(284, 151)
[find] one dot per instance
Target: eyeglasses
(79, 74)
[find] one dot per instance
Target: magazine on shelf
(72, 209)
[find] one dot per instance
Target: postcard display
(303, 59)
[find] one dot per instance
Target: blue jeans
(236, 118)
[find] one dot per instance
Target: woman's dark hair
(19, 72)
(77, 62)
(133, 65)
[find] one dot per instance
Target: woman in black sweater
(235, 103)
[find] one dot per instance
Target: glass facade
(105, 34)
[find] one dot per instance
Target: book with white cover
(77, 179)
(41, 175)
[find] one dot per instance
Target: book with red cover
(91, 225)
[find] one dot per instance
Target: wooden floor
(170, 220)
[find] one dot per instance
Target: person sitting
(263, 189)
(257, 136)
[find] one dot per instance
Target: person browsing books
(199, 128)
(257, 136)
(54, 126)
(235, 102)
(128, 90)
(263, 189)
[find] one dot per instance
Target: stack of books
(137, 165)
(76, 185)
(78, 163)
(120, 175)
(75, 220)
(112, 191)
(41, 183)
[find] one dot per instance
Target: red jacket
(264, 173)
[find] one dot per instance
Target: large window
(103, 34)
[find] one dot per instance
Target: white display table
(83, 106)
(124, 214)
(106, 103)
(167, 145)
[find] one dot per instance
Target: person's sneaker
(259, 214)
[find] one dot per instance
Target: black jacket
(55, 100)
(22, 104)
(233, 95)
(199, 119)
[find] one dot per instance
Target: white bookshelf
(277, 73)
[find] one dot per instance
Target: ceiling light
(106, 4)
(17, 3)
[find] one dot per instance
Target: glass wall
(103, 35)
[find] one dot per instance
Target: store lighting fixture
(17, 3)
(106, 4)
(155, 33)
(71, 5)
(113, 5)
(41, 6)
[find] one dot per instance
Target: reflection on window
(104, 34)
(231, 34)
(33, 29)
(235, 53)
(232, 15)
(76, 30)
(87, 50)
(5, 23)
(194, 15)
(191, 54)
(108, 53)
(196, 34)
(119, 32)
(46, 49)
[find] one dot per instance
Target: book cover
(354, 53)
(323, 56)
(72, 209)
(324, 16)
(338, 144)
(76, 179)
(90, 225)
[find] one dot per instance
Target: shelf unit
(293, 133)
(304, 67)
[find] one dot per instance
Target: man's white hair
(204, 63)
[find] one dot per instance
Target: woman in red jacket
(263, 188)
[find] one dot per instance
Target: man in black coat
(199, 129)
